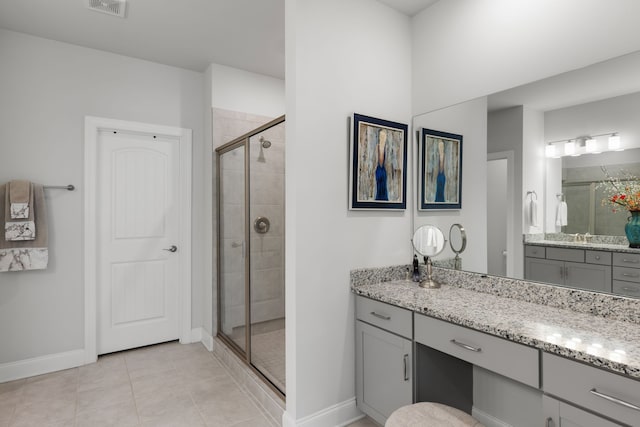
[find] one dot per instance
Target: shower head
(265, 142)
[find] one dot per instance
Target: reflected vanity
(597, 100)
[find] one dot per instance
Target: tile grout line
(245, 391)
(133, 396)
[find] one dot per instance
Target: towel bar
(69, 187)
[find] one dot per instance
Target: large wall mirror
(506, 165)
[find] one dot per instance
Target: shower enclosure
(250, 242)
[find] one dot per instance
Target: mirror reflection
(458, 243)
(585, 115)
(428, 241)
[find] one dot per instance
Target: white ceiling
(191, 34)
(409, 7)
(617, 76)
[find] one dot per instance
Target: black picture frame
(440, 171)
(378, 166)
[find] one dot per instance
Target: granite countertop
(599, 341)
(581, 245)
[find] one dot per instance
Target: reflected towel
(26, 254)
(533, 213)
(561, 214)
(19, 196)
(19, 230)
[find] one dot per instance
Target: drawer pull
(614, 399)
(380, 316)
(631, 274)
(406, 367)
(467, 346)
(629, 289)
(632, 261)
(598, 257)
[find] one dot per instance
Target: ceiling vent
(110, 7)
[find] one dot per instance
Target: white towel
(561, 215)
(533, 213)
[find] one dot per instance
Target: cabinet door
(588, 276)
(384, 380)
(544, 270)
(560, 414)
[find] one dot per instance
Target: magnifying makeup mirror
(458, 242)
(428, 241)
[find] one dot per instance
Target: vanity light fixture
(614, 142)
(587, 144)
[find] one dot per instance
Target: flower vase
(632, 229)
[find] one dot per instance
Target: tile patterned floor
(170, 385)
(164, 385)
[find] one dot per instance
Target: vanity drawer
(626, 260)
(579, 383)
(386, 316)
(597, 257)
(534, 251)
(626, 274)
(516, 361)
(626, 288)
(565, 254)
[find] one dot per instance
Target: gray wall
(47, 88)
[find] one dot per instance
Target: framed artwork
(378, 167)
(440, 170)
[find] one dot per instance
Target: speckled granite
(562, 240)
(599, 329)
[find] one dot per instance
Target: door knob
(173, 248)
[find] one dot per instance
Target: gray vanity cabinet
(577, 268)
(626, 274)
(561, 414)
(384, 359)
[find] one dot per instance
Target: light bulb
(569, 148)
(614, 142)
(550, 150)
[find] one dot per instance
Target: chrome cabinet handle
(467, 346)
(173, 248)
(632, 261)
(614, 399)
(630, 274)
(629, 289)
(406, 367)
(380, 316)
(598, 257)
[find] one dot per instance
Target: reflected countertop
(606, 342)
(581, 245)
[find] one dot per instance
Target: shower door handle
(173, 248)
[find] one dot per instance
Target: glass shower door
(232, 246)
(266, 207)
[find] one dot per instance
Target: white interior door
(497, 181)
(138, 290)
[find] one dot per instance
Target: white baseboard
(207, 340)
(41, 365)
(340, 414)
(201, 335)
(487, 420)
(196, 335)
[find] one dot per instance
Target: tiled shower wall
(267, 199)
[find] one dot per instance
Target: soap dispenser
(416, 269)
